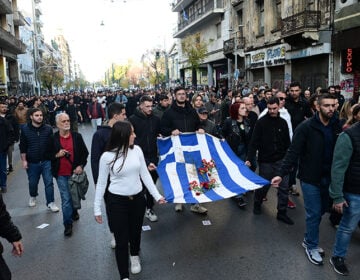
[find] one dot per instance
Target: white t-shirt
(126, 182)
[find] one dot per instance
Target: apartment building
(10, 46)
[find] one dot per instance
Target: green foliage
(194, 49)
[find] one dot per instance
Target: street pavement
(236, 245)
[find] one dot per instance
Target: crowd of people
(282, 134)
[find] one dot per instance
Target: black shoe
(284, 218)
(68, 230)
(10, 169)
(75, 215)
(338, 263)
(240, 201)
(257, 208)
(3, 189)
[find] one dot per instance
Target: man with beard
(182, 117)
(36, 146)
(312, 145)
(147, 129)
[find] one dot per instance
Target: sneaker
(284, 218)
(291, 205)
(52, 207)
(314, 256)
(135, 264)
(320, 250)
(151, 215)
(68, 230)
(178, 207)
(32, 201)
(293, 191)
(112, 242)
(257, 209)
(197, 208)
(338, 263)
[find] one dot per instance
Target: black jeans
(149, 198)
(268, 171)
(126, 216)
(5, 273)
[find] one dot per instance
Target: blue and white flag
(181, 158)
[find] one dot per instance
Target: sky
(129, 29)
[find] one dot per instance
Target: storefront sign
(268, 57)
(316, 50)
(347, 61)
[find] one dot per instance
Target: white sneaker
(151, 215)
(178, 207)
(32, 201)
(135, 264)
(112, 242)
(52, 206)
(197, 208)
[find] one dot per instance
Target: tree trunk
(194, 78)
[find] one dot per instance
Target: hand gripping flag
(182, 160)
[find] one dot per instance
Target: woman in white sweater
(125, 165)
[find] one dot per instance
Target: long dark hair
(119, 141)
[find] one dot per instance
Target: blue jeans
(3, 175)
(66, 201)
(34, 171)
(348, 224)
(316, 202)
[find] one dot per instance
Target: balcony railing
(229, 45)
(203, 11)
(10, 43)
(5, 7)
(18, 19)
(301, 22)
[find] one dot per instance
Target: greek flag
(181, 158)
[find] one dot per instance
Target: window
(218, 30)
(261, 14)
(277, 15)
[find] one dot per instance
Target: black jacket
(298, 111)
(98, 145)
(6, 135)
(7, 229)
(80, 152)
(147, 129)
(184, 119)
(36, 142)
(308, 147)
(270, 138)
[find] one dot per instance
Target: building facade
(10, 46)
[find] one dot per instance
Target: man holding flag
(179, 118)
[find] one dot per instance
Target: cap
(202, 110)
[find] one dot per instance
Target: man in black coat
(147, 129)
(271, 139)
(10, 232)
(70, 157)
(179, 118)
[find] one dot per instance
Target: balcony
(5, 7)
(234, 3)
(178, 5)
(305, 21)
(18, 19)
(200, 17)
(38, 11)
(229, 45)
(10, 43)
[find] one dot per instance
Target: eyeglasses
(64, 121)
(282, 98)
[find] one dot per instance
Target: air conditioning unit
(344, 3)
